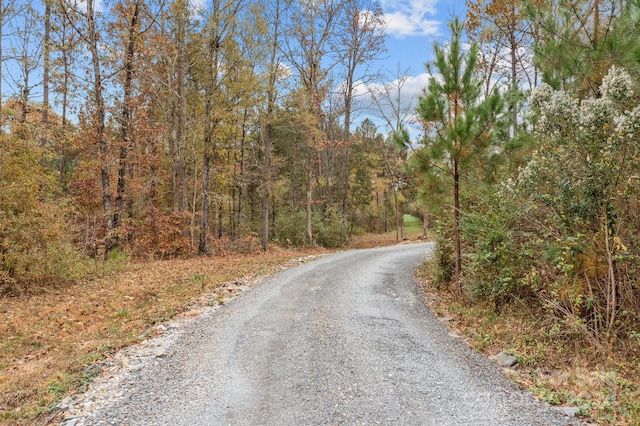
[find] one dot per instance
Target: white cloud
(389, 107)
(97, 5)
(410, 17)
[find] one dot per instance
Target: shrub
(328, 228)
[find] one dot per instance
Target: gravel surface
(343, 340)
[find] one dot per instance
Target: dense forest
(159, 129)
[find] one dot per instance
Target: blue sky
(413, 26)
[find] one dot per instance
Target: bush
(290, 227)
(162, 235)
(36, 249)
(443, 255)
(327, 229)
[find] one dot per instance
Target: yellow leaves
(618, 244)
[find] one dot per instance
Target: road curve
(343, 340)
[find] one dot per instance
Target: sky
(413, 27)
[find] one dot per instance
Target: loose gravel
(343, 340)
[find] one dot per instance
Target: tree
(361, 37)
(458, 120)
(8, 11)
(273, 71)
(579, 40)
(505, 38)
(307, 43)
(27, 52)
(130, 27)
(396, 112)
(219, 57)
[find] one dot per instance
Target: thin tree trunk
(425, 223)
(241, 183)
(612, 288)
(266, 182)
(125, 125)
(110, 241)
(403, 232)
(46, 71)
(396, 214)
(514, 73)
(309, 196)
(204, 221)
(2, 17)
(456, 228)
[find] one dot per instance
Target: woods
(546, 210)
(540, 223)
(159, 129)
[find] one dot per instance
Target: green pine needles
(459, 122)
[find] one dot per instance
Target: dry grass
(557, 364)
(50, 340)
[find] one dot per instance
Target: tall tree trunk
(45, 72)
(456, 228)
(309, 200)
(514, 71)
(204, 220)
(396, 213)
(266, 185)
(98, 98)
(267, 125)
(125, 125)
(425, 222)
(179, 186)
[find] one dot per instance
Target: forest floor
(51, 341)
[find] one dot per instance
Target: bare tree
(397, 111)
(361, 39)
(307, 48)
(9, 9)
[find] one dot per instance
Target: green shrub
(328, 228)
(290, 227)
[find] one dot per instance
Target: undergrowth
(556, 362)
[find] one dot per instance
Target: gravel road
(343, 340)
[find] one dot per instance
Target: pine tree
(458, 120)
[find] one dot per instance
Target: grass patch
(413, 231)
(50, 341)
(411, 222)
